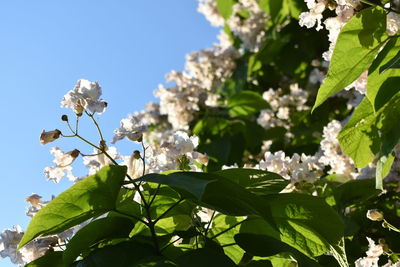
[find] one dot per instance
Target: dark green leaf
(257, 181)
(125, 254)
(95, 231)
(264, 246)
(306, 223)
(53, 259)
(354, 191)
(211, 190)
(90, 197)
(204, 257)
(246, 103)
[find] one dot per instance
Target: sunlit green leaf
(90, 197)
(361, 37)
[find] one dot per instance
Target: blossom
(85, 96)
(37, 248)
(99, 160)
(296, 168)
(314, 16)
(250, 30)
(331, 153)
(373, 253)
(393, 23)
(209, 9)
(50, 136)
(134, 164)
(9, 240)
(176, 152)
(374, 215)
(131, 128)
(34, 200)
(63, 162)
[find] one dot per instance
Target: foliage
(265, 182)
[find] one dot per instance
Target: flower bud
(136, 154)
(374, 215)
(64, 118)
(50, 136)
(74, 153)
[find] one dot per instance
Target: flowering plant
(238, 164)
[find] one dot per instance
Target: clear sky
(47, 45)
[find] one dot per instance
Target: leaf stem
(168, 210)
(155, 194)
(132, 216)
(170, 243)
(209, 223)
(96, 124)
(228, 229)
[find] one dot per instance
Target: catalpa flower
(63, 163)
(85, 96)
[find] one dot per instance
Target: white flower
(314, 16)
(134, 164)
(37, 248)
(131, 128)
(85, 95)
(9, 240)
(63, 163)
(95, 163)
(393, 23)
(331, 153)
(209, 9)
(297, 168)
(373, 253)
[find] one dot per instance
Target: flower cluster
(297, 168)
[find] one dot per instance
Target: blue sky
(46, 46)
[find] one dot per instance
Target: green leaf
(204, 257)
(387, 120)
(257, 181)
(354, 191)
(265, 246)
(383, 167)
(382, 86)
(53, 259)
(127, 205)
(359, 138)
(246, 103)
(306, 223)
(90, 197)
(393, 63)
(225, 7)
(120, 255)
(238, 81)
(281, 10)
(95, 231)
(212, 191)
(357, 45)
(222, 222)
